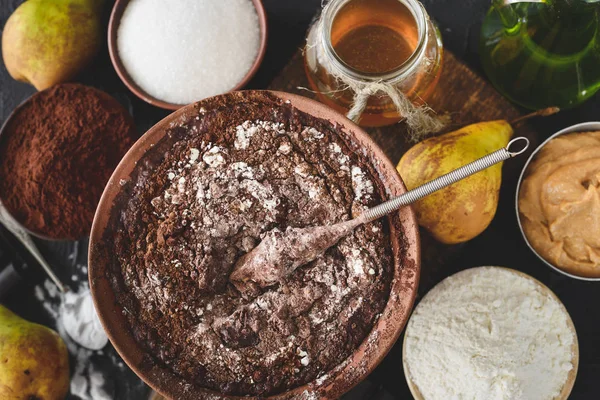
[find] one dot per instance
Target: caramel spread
(559, 203)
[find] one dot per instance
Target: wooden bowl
(568, 386)
(405, 245)
(113, 27)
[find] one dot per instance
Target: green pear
(462, 211)
(34, 362)
(46, 42)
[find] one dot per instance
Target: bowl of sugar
(171, 54)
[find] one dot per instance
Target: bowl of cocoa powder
(196, 193)
(57, 151)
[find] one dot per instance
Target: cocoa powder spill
(57, 153)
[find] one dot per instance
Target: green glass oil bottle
(543, 53)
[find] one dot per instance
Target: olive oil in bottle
(543, 54)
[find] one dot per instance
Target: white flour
(86, 382)
(79, 327)
(81, 321)
(362, 186)
(488, 333)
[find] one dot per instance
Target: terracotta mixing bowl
(113, 26)
(405, 245)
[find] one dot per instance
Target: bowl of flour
(490, 333)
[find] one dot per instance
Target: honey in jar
(370, 41)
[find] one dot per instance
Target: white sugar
(186, 50)
(76, 321)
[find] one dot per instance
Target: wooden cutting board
(461, 93)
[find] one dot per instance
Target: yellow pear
(46, 42)
(465, 209)
(34, 362)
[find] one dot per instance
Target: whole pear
(34, 362)
(463, 210)
(46, 42)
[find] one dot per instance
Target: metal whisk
(443, 181)
(272, 259)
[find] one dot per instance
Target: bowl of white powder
(173, 53)
(490, 333)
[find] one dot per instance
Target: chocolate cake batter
(230, 175)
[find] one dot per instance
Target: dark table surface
(501, 244)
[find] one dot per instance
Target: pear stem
(540, 113)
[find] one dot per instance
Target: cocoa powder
(57, 152)
(204, 196)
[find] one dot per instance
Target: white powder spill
(81, 321)
(77, 324)
(51, 288)
(87, 382)
(489, 333)
(362, 186)
(186, 50)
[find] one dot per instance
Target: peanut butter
(559, 203)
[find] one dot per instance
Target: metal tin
(582, 127)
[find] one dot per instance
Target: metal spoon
(280, 253)
(16, 229)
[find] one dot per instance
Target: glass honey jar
(371, 59)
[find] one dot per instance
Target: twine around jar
(419, 119)
(420, 122)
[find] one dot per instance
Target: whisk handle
(444, 180)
